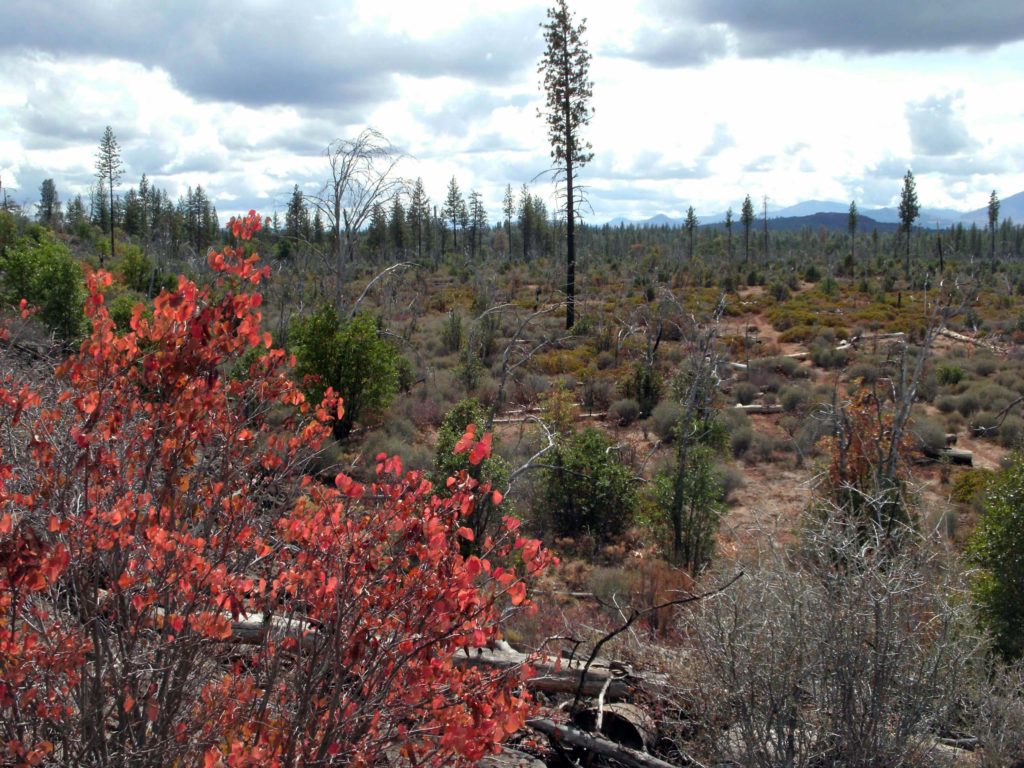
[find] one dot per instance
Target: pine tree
(508, 207)
(747, 220)
(565, 68)
(851, 225)
(109, 170)
(993, 222)
(419, 215)
(691, 226)
(49, 203)
(728, 229)
(477, 221)
(453, 204)
(909, 211)
(296, 218)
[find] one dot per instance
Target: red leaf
(466, 440)
(481, 450)
(466, 533)
(517, 593)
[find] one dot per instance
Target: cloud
(680, 44)
(774, 27)
(248, 53)
(937, 126)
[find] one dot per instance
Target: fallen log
(969, 340)
(958, 456)
(757, 408)
(552, 674)
(567, 735)
(623, 723)
(509, 758)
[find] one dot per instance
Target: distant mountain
(832, 214)
(1010, 208)
(830, 221)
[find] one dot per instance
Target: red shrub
(173, 589)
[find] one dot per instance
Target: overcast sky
(696, 101)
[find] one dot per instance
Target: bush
(740, 440)
(644, 386)
(793, 398)
(949, 374)
(995, 548)
(158, 514)
(447, 463)
(624, 412)
(587, 490)
(43, 272)
(349, 357)
(1011, 432)
(451, 333)
(665, 419)
(985, 365)
(930, 435)
(852, 664)
(745, 393)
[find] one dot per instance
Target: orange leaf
(129, 702)
(496, 498)
(466, 440)
(517, 592)
(466, 533)
(481, 450)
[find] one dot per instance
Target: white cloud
(248, 116)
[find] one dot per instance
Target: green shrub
(665, 419)
(740, 440)
(1011, 432)
(793, 398)
(624, 412)
(447, 463)
(995, 549)
(43, 272)
(985, 365)
(644, 386)
(587, 489)
(970, 485)
(948, 374)
(349, 356)
(930, 435)
(136, 268)
(451, 333)
(745, 393)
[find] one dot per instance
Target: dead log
(509, 758)
(969, 340)
(567, 735)
(757, 408)
(958, 456)
(556, 675)
(623, 723)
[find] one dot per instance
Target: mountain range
(833, 215)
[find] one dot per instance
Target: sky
(696, 102)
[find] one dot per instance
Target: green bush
(644, 386)
(587, 489)
(995, 549)
(665, 418)
(136, 268)
(624, 412)
(447, 463)
(349, 356)
(745, 393)
(949, 374)
(43, 272)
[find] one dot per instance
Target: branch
(564, 734)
